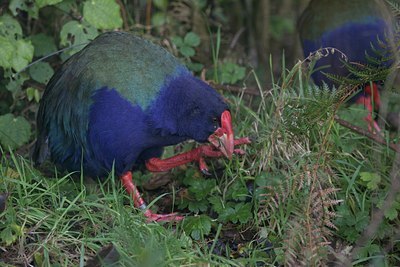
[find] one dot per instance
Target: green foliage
(75, 33)
(230, 73)
(186, 47)
(14, 131)
(197, 226)
(372, 179)
(102, 14)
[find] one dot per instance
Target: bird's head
(189, 108)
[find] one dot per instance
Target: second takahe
(118, 102)
(354, 27)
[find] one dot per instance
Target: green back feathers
(135, 67)
(321, 16)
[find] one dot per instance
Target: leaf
(231, 72)
(196, 67)
(191, 39)
(74, 33)
(23, 54)
(6, 52)
(102, 14)
(187, 51)
(200, 188)
(177, 40)
(161, 4)
(10, 27)
(238, 191)
(197, 226)
(226, 214)
(16, 6)
(14, 131)
(158, 19)
(15, 85)
(42, 3)
(7, 236)
(33, 93)
(197, 206)
(243, 212)
(372, 179)
(392, 212)
(216, 203)
(44, 44)
(41, 72)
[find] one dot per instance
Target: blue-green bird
(118, 102)
(357, 29)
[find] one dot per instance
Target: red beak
(222, 138)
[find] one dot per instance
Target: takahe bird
(355, 28)
(118, 102)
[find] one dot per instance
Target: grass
(312, 186)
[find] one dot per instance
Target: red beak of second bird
(223, 138)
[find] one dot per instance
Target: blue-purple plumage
(357, 28)
(119, 102)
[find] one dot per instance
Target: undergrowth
(303, 194)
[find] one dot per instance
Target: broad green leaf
(23, 5)
(102, 14)
(177, 40)
(227, 214)
(200, 188)
(44, 44)
(187, 51)
(7, 236)
(243, 212)
(161, 4)
(16, 5)
(41, 72)
(392, 212)
(23, 54)
(231, 72)
(197, 67)
(33, 93)
(191, 39)
(372, 179)
(216, 203)
(237, 191)
(6, 52)
(14, 131)
(42, 3)
(10, 27)
(15, 84)
(74, 33)
(158, 19)
(197, 226)
(197, 206)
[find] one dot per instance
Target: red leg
(196, 154)
(366, 101)
(140, 204)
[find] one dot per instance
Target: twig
(374, 137)
(124, 15)
(236, 89)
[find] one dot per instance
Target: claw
(154, 217)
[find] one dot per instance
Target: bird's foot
(140, 204)
(154, 217)
(197, 154)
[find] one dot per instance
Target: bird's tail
(40, 151)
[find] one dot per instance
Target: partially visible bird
(354, 27)
(118, 102)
